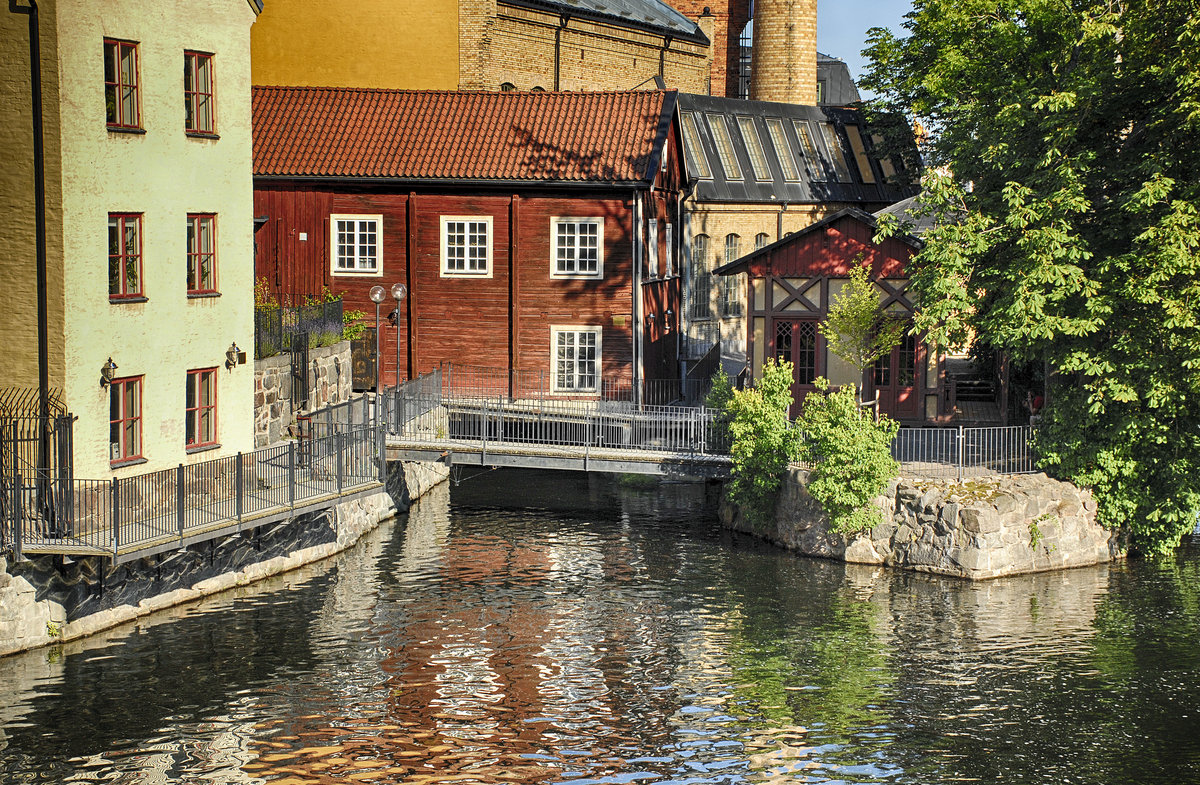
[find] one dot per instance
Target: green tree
(1075, 238)
(849, 455)
(762, 441)
(856, 328)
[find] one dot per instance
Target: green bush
(762, 441)
(849, 454)
(718, 398)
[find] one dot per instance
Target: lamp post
(399, 291)
(377, 294)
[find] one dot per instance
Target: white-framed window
(467, 246)
(355, 244)
(669, 258)
(652, 247)
(577, 247)
(575, 358)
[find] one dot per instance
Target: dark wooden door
(797, 341)
(895, 379)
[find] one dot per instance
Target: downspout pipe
(563, 19)
(39, 188)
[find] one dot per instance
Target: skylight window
(720, 132)
(860, 154)
(695, 153)
(835, 150)
(783, 151)
(758, 160)
(813, 162)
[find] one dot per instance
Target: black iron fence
(172, 507)
(474, 381)
(276, 329)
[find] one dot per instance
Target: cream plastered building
(149, 226)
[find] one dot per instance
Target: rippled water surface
(529, 627)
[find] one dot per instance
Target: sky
(842, 27)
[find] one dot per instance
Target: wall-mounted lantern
(668, 317)
(108, 372)
(232, 356)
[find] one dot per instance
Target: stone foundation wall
(47, 600)
(980, 528)
(329, 380)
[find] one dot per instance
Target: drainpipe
(779, 221)
(39, 188)
(563, 19)
(662, 56)
(637, 297)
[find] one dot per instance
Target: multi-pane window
(201, 254)
(783, 150)
(198, 104)
(783, 342)
(354, 244)
(695, 153)
(758, 161)
(761, 240)
(813, 162)
(125, 419)
(700, 278)
(576, 359)
(124, 256)
(578, 244)
(201, 408)
(669, 257)
(720, 132)
(860, 154)
(731, 285)
(466, 245)
(804, 338)
(840, 168)
(121, 106)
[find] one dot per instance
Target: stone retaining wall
(981, 528)
(329, 382)
(47, 600)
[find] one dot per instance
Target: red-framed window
(201, 253)
(122, 104)
(201, 403)
(125, 419)
(124, 256)
(199, 105)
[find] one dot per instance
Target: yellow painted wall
(18, 319)
(163, 174)
(407, 44)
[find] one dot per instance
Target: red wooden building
(534, 231)
(791, 283)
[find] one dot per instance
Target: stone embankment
(980, 528)
(47, 600)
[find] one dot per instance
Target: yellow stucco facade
(368, 43)
(157, 171)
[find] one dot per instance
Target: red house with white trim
(534, 231)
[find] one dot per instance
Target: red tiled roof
(441, 135)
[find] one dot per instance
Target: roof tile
(422, 134)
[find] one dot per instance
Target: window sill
(202, 448)
(123, 300)
(201, 135)
(121, 464)
(126, 129)
(202, 295)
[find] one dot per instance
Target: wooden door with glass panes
(799, 342)
(894, 378)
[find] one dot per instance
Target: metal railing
(963, 452)
(181, 504)
(274, 328)
(473, 381)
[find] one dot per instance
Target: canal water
(547, 628)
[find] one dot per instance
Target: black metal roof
(838, 85)
(823, 171)
(649, 15)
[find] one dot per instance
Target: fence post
(485, 429)
(16, 500)
(292, 475)
(179, 511)
(116, 516)
(238, 477)
(960, 453)
(338, 443)
(381, 442)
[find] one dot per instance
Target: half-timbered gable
(534, 231)
(791, 284)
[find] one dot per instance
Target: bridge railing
(963, 452)
(474, 381)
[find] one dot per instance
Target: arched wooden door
(797, 342)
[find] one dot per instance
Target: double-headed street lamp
(399, 291)
(377, 295)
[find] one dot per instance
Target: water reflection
(539, 628)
